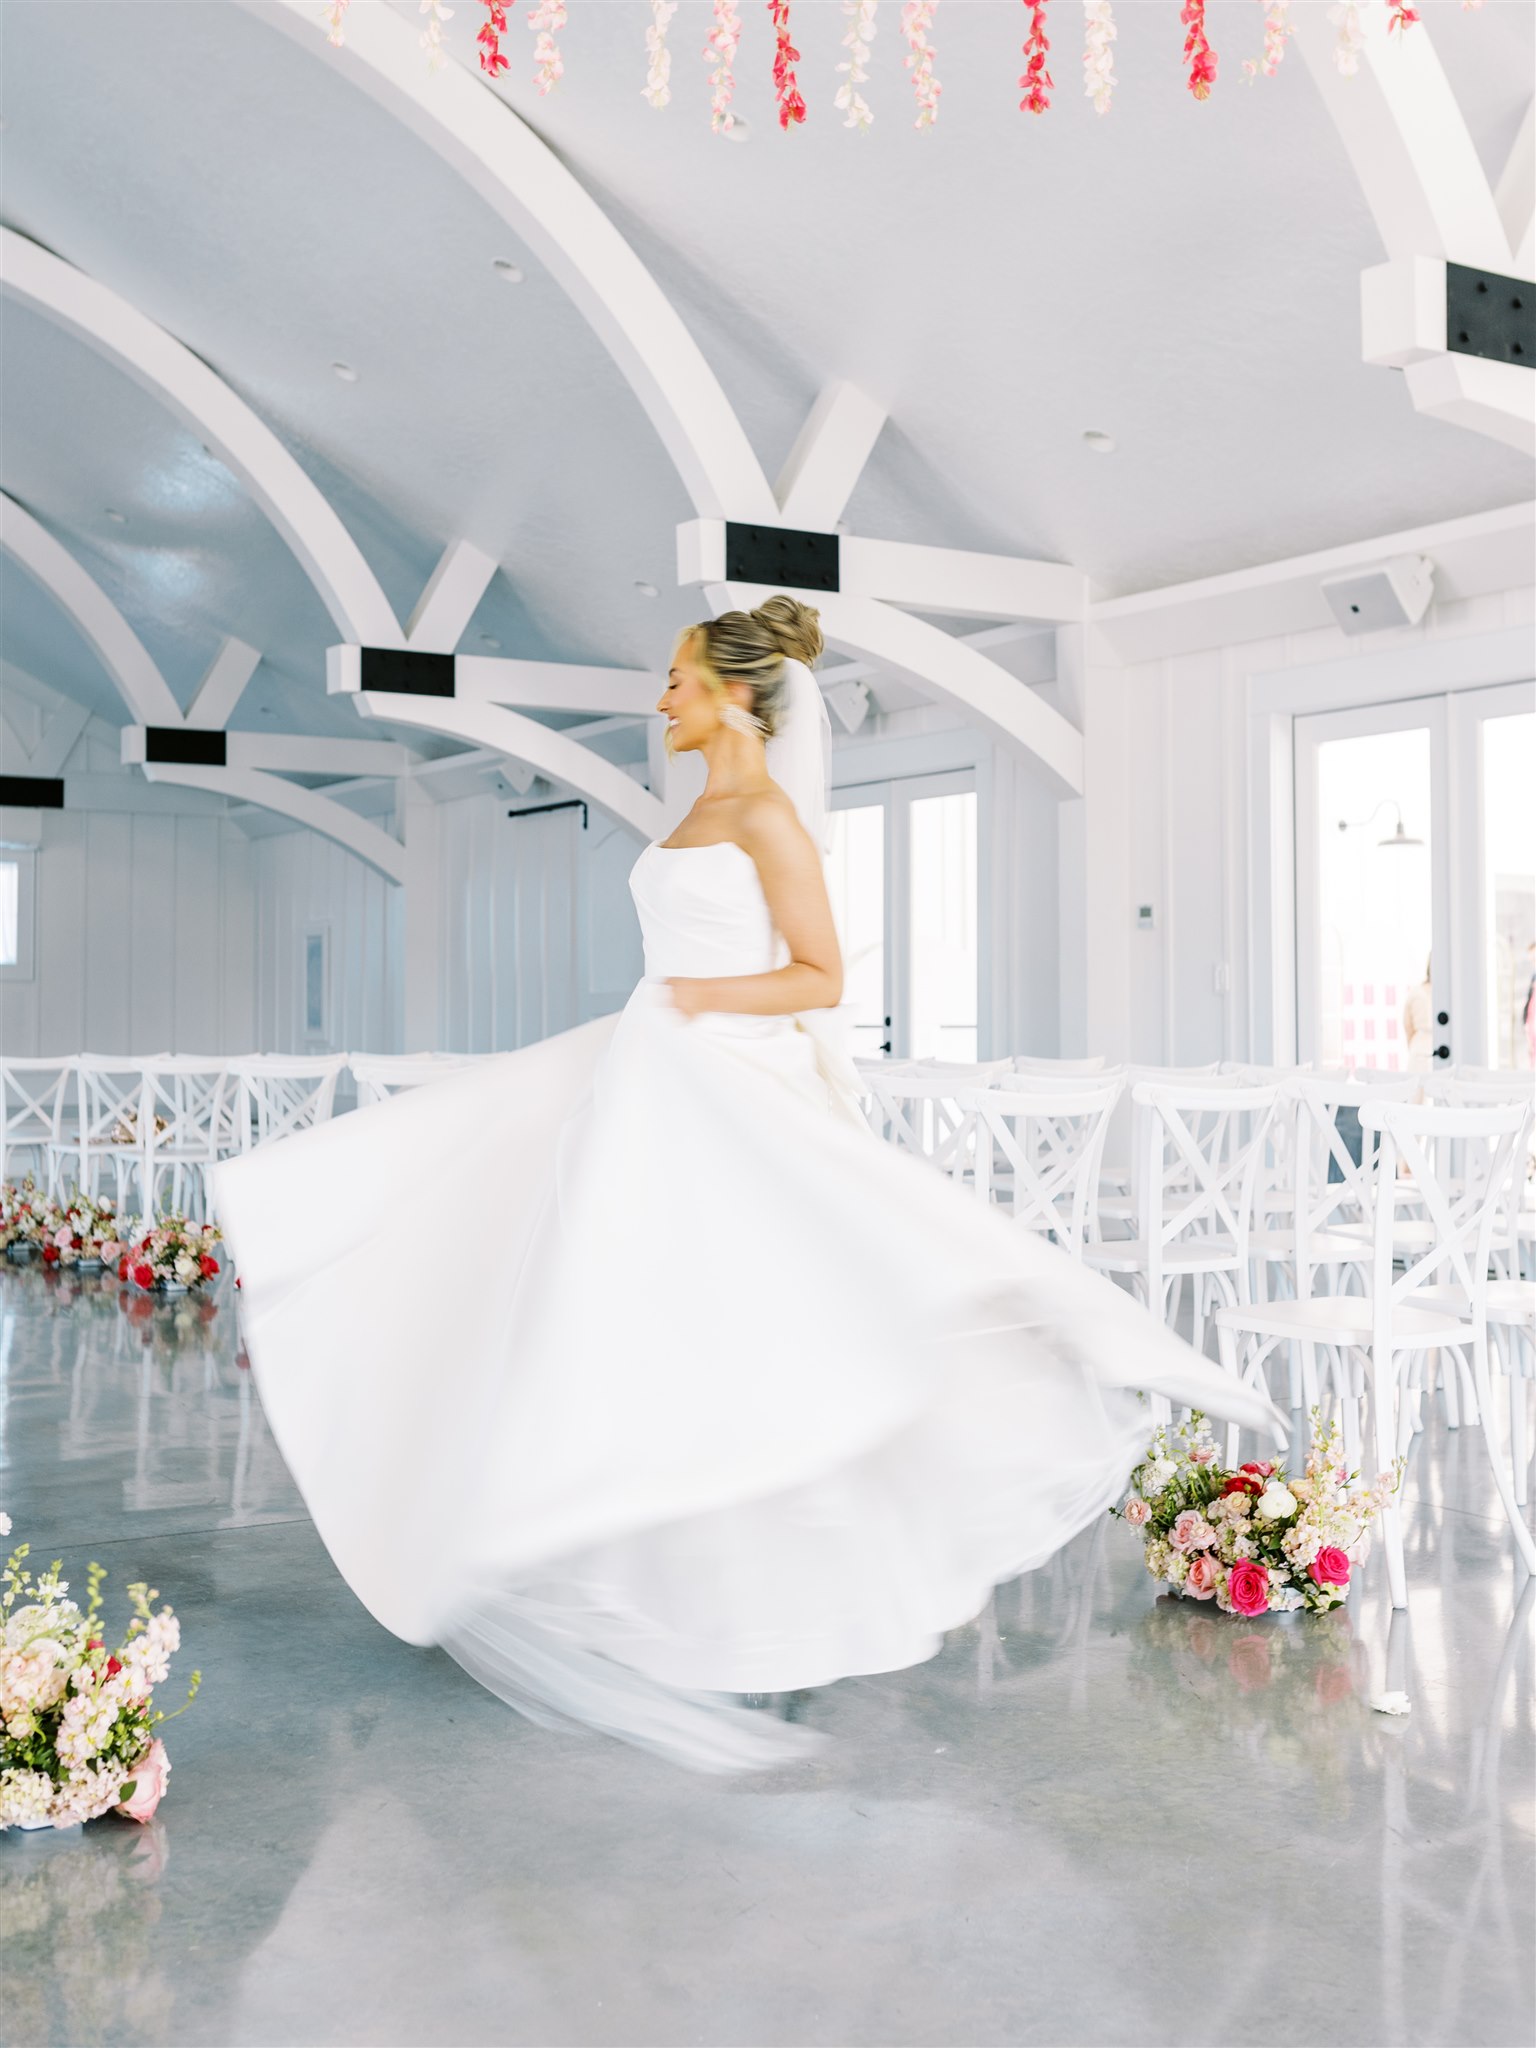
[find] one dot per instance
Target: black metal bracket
(787, 555)
(573, 803)
(192, 746)
(33, 792)
(1490, 316)
(405, 671)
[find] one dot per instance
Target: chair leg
(1517, 1426)
(1383, 1377)
(1501, 1476)
(1227, 1346)
(1445, 1369)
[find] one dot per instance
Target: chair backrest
(1476, 1091)
(1050, 1143)
(188, 1107)
(379, 1075)
(921, 1113)
(34, 1095)
(1490, 1144)
(280, 1095)
(1332, 1182)
(1203, 1149)
(1051, 1069)
(111, 1097)
(965, 1073)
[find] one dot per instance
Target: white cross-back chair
(920, 1112)
(1038, 1152)
(186, 1125)
(1121, 1190)
(1437, 1302)
(35, 1097)
(380, 1075)
(110, 1127)
(280, 1095)
(1057, 1069)
(1202, 1146)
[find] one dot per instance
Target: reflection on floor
(1099, 1816)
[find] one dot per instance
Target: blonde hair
(749, 647)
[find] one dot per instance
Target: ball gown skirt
(632, 1368)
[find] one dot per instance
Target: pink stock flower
(142, 1792)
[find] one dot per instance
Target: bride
(630, 1367)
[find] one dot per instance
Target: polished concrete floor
(1097, 1817)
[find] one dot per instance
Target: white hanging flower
(1098, 60)
(916, 20)
(659, 58)
(1277, 33)
(546, 20)
(334, 16)
(1345, 17)
(860, 15)
(720, 51)
(432, 34)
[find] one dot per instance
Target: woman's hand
(689, 994)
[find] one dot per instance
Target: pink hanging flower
(1277, 33)
(720, 50)
(659, 59)
(860, 16)
(1403, 16)
(916, 20)
(785, 58)
(546, 20)
(491, 31)
(335, 14)
(1098, 61)
(1036, 80)
(1198, 53)
(1350, 40)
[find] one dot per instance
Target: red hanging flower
(1036, 80)
(1403, 15)
(1198, 53)
(492, 29)
(785, 57)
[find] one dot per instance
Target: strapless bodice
(702, 911)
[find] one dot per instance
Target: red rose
(1243, 1482)
(1248, 1587)
(1330, 1567)
(208, 1266)
(1264, 1471)
(144, 1275)
(122, 1268)
(50, 1254)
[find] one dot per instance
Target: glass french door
(903, 882)
(1416, 882)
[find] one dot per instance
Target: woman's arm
(789, 868)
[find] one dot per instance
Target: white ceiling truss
(288, 799)
(1433, 204)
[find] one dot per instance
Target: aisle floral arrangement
(172, 1254)
(78, 1724)
(22, 1209)
(1253, 1540)
(81, 1231)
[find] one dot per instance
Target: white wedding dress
(635, 1370)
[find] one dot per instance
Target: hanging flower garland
(720, 51)
(335, 14)
(1098, 59)
(860, 15)
(1350, 40)
(1036, 80)
(491, 31)
(916, 20)
(432, 35)
(1277, 33)
(785, 58)
(546, 20)
(658, 68)
(1403, 16)
(1198, 54)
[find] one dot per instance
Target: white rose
(1275, 1503)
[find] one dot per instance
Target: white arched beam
(243, 442)
(95, 617)
(508, 733)
(828, 458)
(941, 664)
(520, 178)
(1432, 202)
(305, 806)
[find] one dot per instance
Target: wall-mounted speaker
(1394, 593)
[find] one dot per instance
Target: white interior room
(370, 430)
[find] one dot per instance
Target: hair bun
(795, 628)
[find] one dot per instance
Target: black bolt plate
(405, 673)
(1489, 315)
(782, 555)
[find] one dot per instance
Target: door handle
(1442, 1052)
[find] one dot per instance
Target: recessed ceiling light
(486, 640)
(647, 590)
(509, 272)
(117, 518)
(1101, 444)
(345, 372)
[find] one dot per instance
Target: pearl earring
(739, 719)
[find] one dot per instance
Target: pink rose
(1191, 1531)
(1136, 1511)
(142, 1793)
(1248, 1587)
(1204, 1577)
(1202, 1454)
(1248, 1662)
(1330, 1567)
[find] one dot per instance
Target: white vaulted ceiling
(1182, 276)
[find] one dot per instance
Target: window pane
(1374, 919)
(1509, 870)
(944, 926)
(10, 911)
(856, 885)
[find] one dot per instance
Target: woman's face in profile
(690, 707)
